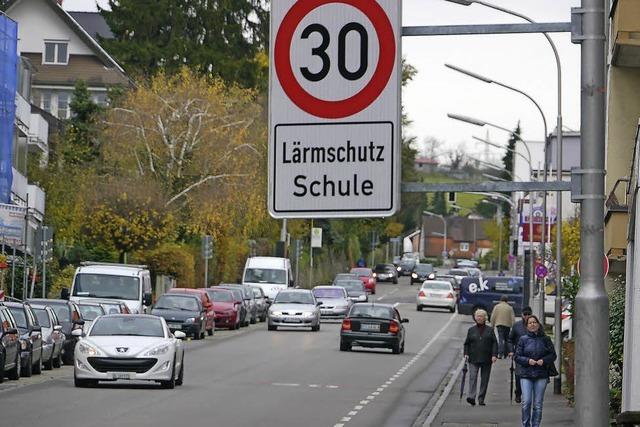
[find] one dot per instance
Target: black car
(182, 312)
(373, 325)
(9, 346)
(406, 266)
(70, 318)
(386, 273)
(30, 337)
(422, 272)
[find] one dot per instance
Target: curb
(445, 394)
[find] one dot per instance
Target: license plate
(175, 325)
(121, 376)
(370, 327)
(292, 320)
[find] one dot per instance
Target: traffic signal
(207, 247)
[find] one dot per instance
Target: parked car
(52, 336)
(129, 347)
(459, 274)
(30, 336)
(345, 276)
(373, 325)
(335, 301)
(110, 306)
(272, 274)
(226, 308)
(183, 312)
(248, 298)
(355, 289)
(89, 311)
(366, 275)
(294, 308)
(9, 346)
(205, 301)
(262, 302)
(386, 273)
(69, 316)
(238, 298)
(422, 272)
(436, 293)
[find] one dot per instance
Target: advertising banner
(12, 221)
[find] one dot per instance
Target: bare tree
(431, 146)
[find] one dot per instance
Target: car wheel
(452, 309)
(48, 365)
(14, 374)
(180, 379)
(210, 332)
(82, 383)
(395, 281)
(27, 371)
(316, 328)
(67, 358)
(57, 362)
(37, 367)
(272, 327)
(263, 318)
(197, 335)
(402, 348)
(202, 334)
(2, 356)
(345, 346)
(253, 320)
(396, 348)
(170, 384)
(419, 308)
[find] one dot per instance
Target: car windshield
(424, 268)
(351, 285)
(459, 272)
(438, 286)
(177, 302)
(106, 286)
(220, 295)
(361, 271)
(328, 293)
(384, 267)
(128, 325)
(90, 312)
(43, 317)
(366, 310)
(237, 294)
(265, 275)
(62, 311)
(294, 298)
(18, 314)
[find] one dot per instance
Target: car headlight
(362, 298)
(398, 268)
(190, 320)
(88, 350)
(275, 313)
(160, 350)
(375, 274)
(414, 275)
(308, 314)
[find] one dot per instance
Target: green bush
(616, 344)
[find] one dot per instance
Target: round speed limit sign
(361, 51)
(334, 108)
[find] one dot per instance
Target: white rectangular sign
(334, 108)
(316, 237)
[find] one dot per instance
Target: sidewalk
(499, 412)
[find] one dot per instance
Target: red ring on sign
(361, 100)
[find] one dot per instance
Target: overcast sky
(522, 61)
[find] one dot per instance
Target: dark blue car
(485, 293)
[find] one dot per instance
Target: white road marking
(338, 425)
(443, 396)
(314, 385)
(286, 384)
(403, 369)
(332, 386)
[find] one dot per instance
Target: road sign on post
(334, 108)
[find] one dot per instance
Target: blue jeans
(532, 393)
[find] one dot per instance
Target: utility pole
(207, 254)
(592, 301)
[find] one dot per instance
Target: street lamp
(557, 389)
(445, 254)
(493, 144)
(499, 219)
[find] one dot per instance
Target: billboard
(12, 222)
(8, 70)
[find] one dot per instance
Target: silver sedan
(335, 301)
(296, 308)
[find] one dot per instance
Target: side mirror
(57, 328)
(180, 335)
(78, 322)
(77, 333)
(319, 303)
(64, 293)
(404, 320)
(146, 299)
(12, 331)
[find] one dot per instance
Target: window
(56, 52)
(63, 105)
(45, 101)
(464, 247)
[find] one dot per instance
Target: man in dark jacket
(518, 330)
(481, 351)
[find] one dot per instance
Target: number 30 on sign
(334, 108)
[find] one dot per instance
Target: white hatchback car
(436, 293)
(129, 347)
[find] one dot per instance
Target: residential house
(62, 52)
(466, 237)
(425, 164)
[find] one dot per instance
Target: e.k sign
(334, 108)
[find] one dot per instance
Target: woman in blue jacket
(534, 356)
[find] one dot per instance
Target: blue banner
(8, 77)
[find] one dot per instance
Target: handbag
(553, 372)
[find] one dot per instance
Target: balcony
(23, 114)
(625, 33)
(616, 221)
(39, 133)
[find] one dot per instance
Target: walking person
(534, 357)
(480, 351)
(502, 318)
(519, 329)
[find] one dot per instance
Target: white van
(272, 274)
(124, 282)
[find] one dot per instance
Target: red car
(210, 316)
(367, 277)
(226, 307)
